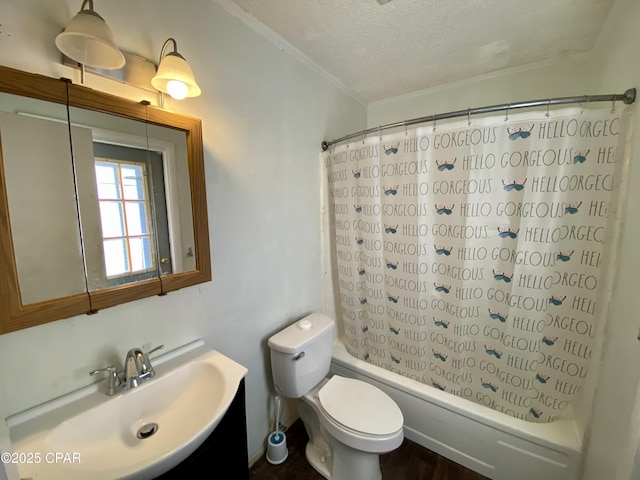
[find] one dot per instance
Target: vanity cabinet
(224, 451)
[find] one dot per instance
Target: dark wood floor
(409, 462)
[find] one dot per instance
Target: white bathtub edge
(552, 450)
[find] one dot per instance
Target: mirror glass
(134, 198)
(41, 198)
(102, 201)
(177, 251)
(110, 159)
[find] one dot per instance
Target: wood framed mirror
(102, 201)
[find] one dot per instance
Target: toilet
(349, 422)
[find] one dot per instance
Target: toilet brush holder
(277, 448)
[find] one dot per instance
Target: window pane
(107, 180)
(133, 182)
(125, 216)
(115, 257)
(112, 219)
(140, 253)
(136, 218)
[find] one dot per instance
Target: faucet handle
(113, 381)
(159, 347)
(146, 368)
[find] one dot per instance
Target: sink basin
(139, 433)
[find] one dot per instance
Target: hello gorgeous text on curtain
(469, 256)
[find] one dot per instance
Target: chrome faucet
(137, 369)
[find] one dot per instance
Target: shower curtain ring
(613, 104)
(364, 136)
(380, 133)
(548, 107)
(469, 116)
(405, 129)
(434, 123)
(584, 106)
(506, 115)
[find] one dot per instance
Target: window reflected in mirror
(109, 153)
(125, 215)
(133, 211)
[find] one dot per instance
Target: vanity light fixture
(89, 41)
(174, 75)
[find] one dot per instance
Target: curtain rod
(628, 97)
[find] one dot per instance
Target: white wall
(264, 115)
(570, 77)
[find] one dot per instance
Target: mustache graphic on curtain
(470, 257)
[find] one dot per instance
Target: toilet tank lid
(298, 335)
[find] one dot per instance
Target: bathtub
(486, 441)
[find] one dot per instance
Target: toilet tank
(301, 354)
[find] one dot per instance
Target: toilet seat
(360, 407)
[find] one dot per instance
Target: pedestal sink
(137, 434)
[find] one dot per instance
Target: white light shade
(89, 40)
(175, 70)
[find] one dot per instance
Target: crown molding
(257, 26)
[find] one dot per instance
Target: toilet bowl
(349, 422)
(368, 424)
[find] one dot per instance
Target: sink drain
(147, 430)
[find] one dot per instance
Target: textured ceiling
(384, 50)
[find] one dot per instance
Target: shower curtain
(469, 254)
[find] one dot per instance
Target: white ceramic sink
(87, 434)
